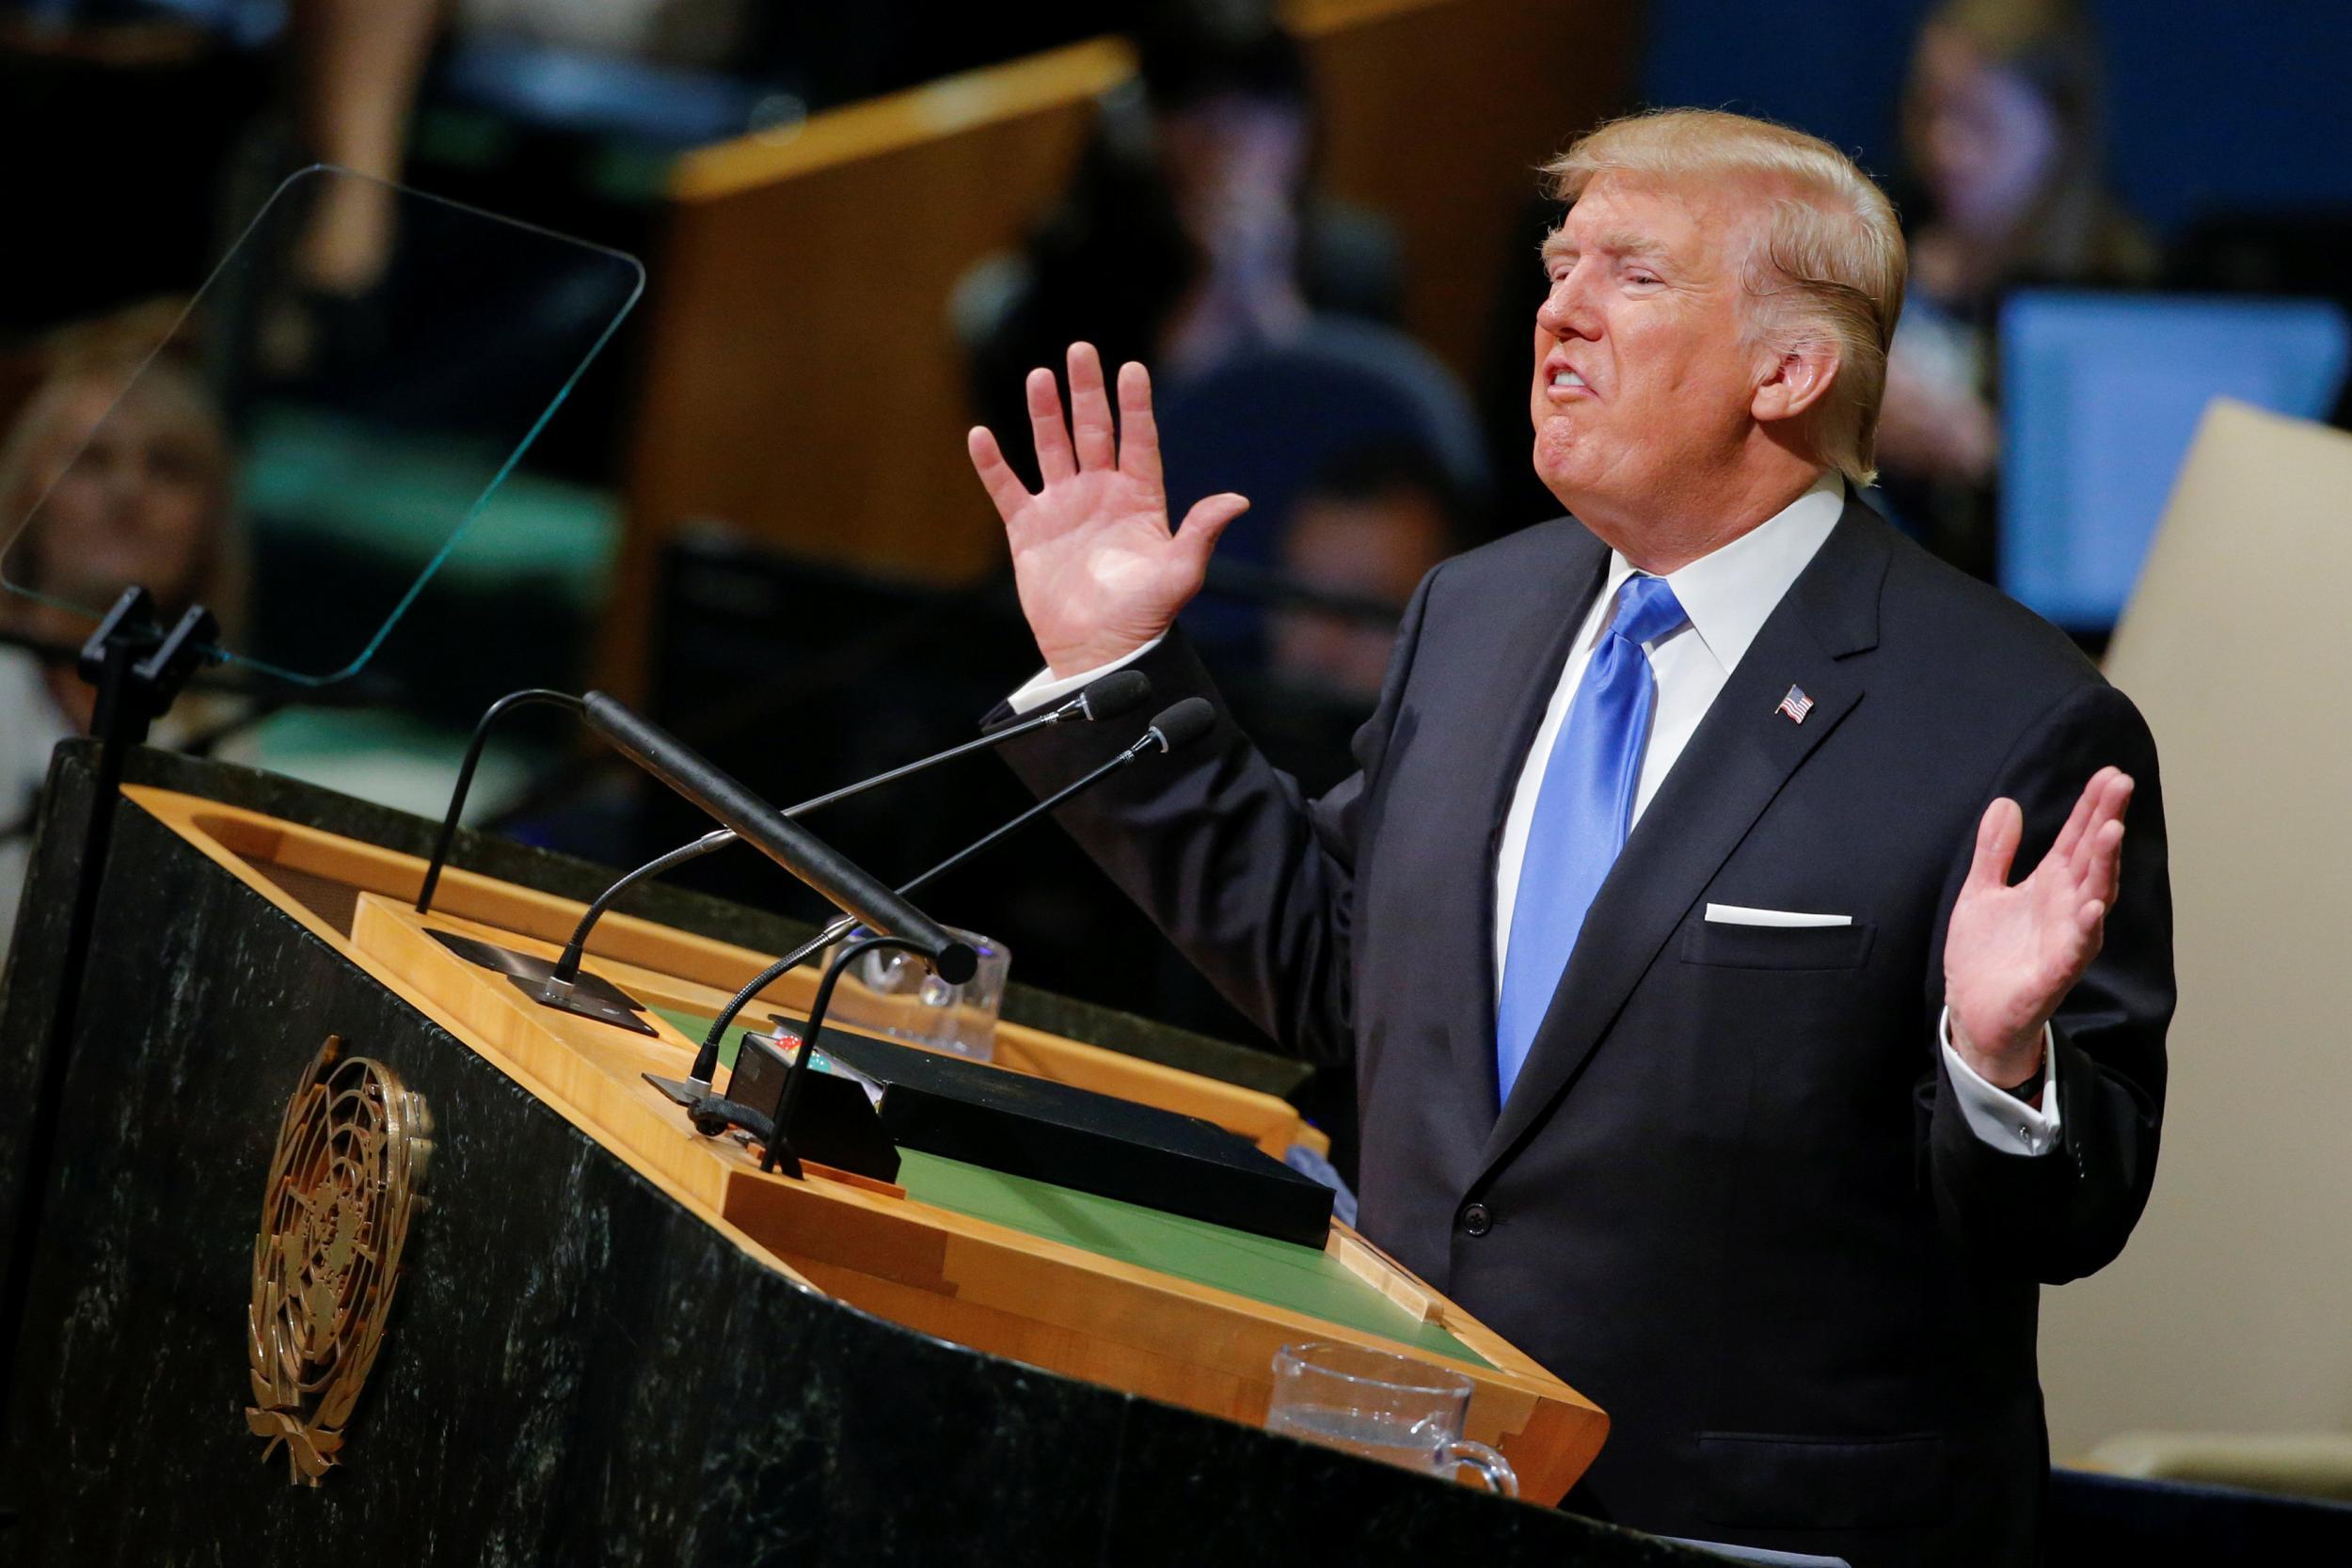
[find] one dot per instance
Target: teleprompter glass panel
(301, 449)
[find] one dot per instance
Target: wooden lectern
(352, 1251)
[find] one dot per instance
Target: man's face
(1644, 381)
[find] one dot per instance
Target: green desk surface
(1279, 1273)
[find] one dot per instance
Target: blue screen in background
(2100, 396)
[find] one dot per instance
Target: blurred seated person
(1368, 529)
(2003, 121)
(1269, 419)
(107, 493)
(1191, 231)
(1192, 240)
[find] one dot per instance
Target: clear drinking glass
(1391, 1408)
(892, 992)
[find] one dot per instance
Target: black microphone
(1177, 725)
(490, 716)
(1118, 692)
(1113, 694)
(840, 880)
(557, 989)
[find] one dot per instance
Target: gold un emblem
(342, 1188)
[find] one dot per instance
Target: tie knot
(1647, 611)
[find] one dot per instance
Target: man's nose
(1567, 309)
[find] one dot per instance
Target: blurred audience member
(1191, 231)
(356, 68)
(359, 67)
(111, 487)
(1193, 241)
(1368, 529)
(2003, 121)
(1234, 128)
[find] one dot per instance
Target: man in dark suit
(1704, 1046)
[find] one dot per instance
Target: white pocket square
(1735, 914)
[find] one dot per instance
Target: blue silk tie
(1582, 815)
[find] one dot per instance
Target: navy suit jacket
(1732, 1198)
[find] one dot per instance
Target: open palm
(1098, 571)
(2011, 953)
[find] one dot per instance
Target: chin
(1564, 473)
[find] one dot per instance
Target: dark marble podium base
(576, 1368)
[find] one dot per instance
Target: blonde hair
(1826, 262)
(115, 358)
(2072, 229)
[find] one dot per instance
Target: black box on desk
(1074, 1137)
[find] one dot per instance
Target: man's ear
(1796, 381)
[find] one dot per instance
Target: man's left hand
(2011, 954)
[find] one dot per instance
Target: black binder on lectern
(1074, 1137)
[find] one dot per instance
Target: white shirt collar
(1729, 592)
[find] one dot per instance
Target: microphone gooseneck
(1112, 695)
(1107, 698)
(1177, 725)
(490, 716)
(567, 970)
(778, 1151)
(840, 880)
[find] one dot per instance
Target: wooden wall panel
(1438, 115)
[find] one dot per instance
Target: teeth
(1568, 378)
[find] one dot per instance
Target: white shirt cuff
(1996, 1116)
(1042, 687)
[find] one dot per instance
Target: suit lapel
(1525, 673)
(1741, 754)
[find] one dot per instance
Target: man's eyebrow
(1615, 242)
(1633, 242)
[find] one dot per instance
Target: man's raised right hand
(1098, 571)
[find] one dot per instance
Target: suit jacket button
(1476, 1220)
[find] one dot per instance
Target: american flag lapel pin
(1796, 704)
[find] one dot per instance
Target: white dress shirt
(32, 723)
(1727, 595)
(30, 727)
